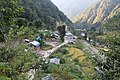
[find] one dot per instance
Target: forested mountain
(44, 12)
(19, 21)
(41, 14)
(98, 14)
(73, 7)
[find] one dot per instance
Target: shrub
(21, 22)
(1, 38)
(63, 50)
(37, 23)
(62, 61)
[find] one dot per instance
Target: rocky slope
(112, 22)
(115, 11)
(98, 14)
(44, 11)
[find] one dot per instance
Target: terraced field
(77, 54)
(85, 62)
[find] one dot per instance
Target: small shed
(55, 61)
(35, 43)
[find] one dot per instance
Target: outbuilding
(55, 61)
(34, 43)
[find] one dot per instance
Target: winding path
(49, 52)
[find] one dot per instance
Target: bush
(68, 72)
(2, 39)
(76, 60)
(37, 23)
(62, 61)
(4, 78)
(16, 60)
(63, 50)
(51, 67)
(21, 22)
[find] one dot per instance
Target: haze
(73, 7)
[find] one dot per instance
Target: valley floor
(75, 54)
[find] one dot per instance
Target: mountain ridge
(97, 14)
(45, 11)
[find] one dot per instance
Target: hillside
(112, 22)
(115, 11)
(44, 11)
(73, 7)
(97, 14)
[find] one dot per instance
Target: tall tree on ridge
(62, 31)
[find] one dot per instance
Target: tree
(67, 72)
(1, 37)
(9, 10)
(21, 22)
(15, 61)
(85, 37)
(111, 68)
(38, 23)
(62, 31)
(4, 78)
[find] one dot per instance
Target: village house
(69, 37)
(81, 32)
(36, 45)
(55, 60)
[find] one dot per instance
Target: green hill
(43, 11)
(27, 15)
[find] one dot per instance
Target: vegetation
(67, 70)
(9, 10)
(28, 19)
(110, 66)
(83, 56)
(15, 61)
(77, 54)
(77, 57)
(47, 47)
(62, 31)
(41, 15)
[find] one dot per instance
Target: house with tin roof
(69, 37)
